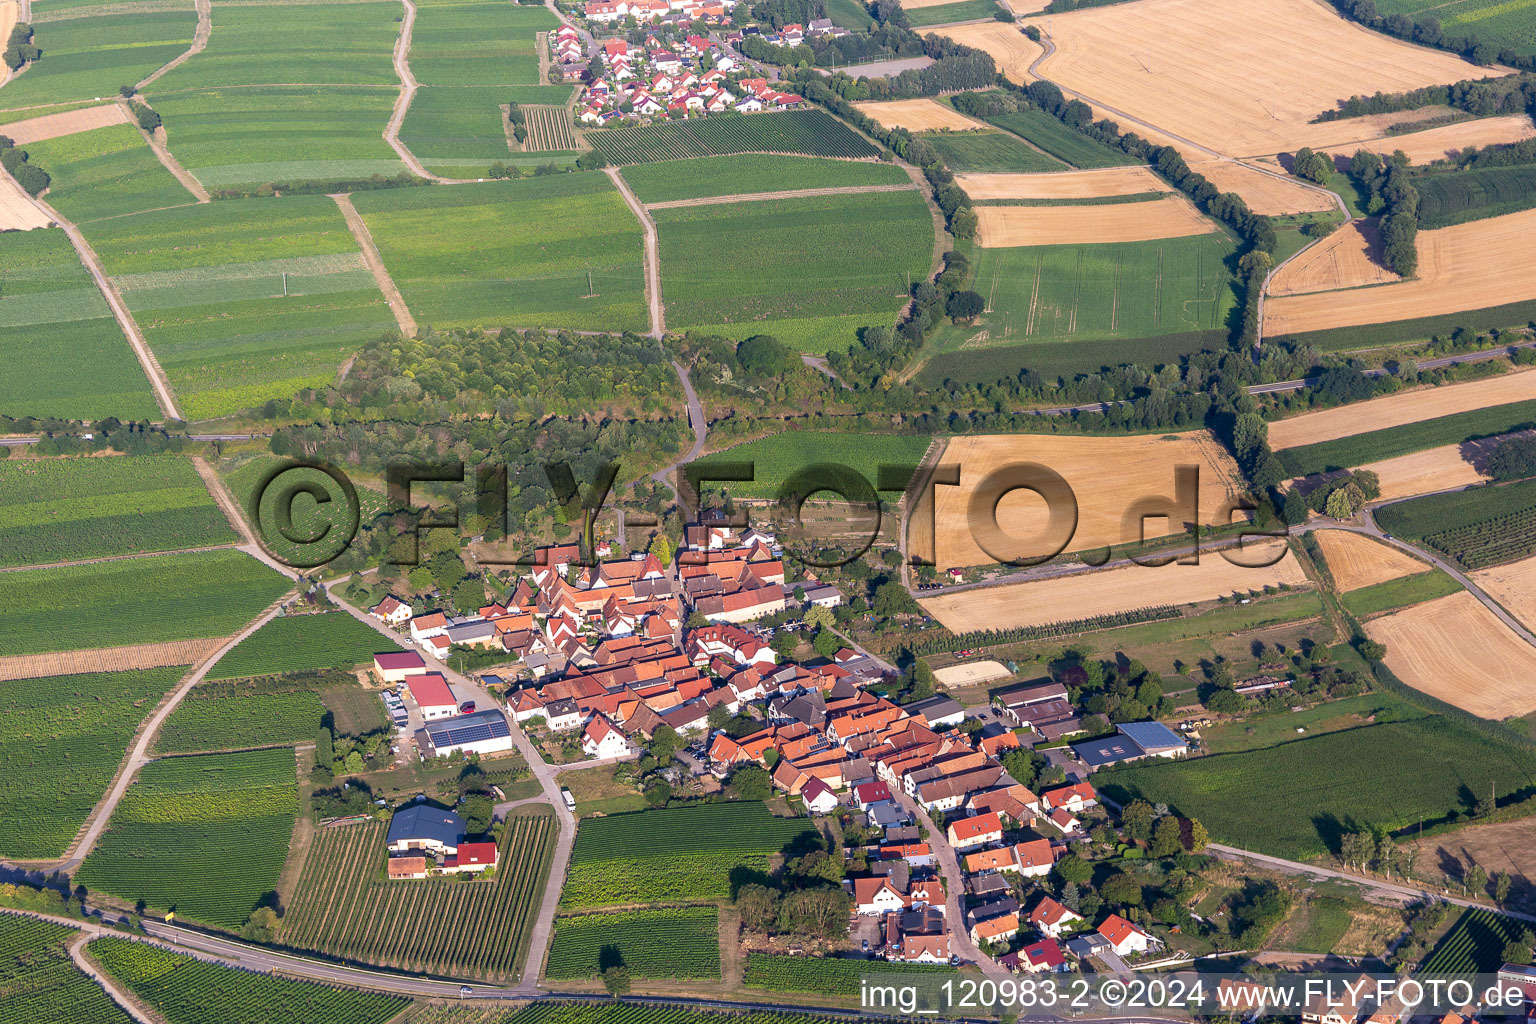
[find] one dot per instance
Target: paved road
(696, 420)
(376, 266)
(652, 253)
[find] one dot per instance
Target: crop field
(794, 259)
(343, 906)
(1475, 943)
(681, 853)
(1074, 293)
(811, 132)
(106, 172)
(145, 600)
(1066, 144)
(1064, 185)
(1400, 593)
(1435, 469)
(475, 42)
(1379, 414)
(244, 301)
(69, 509)
(673, 180)
(776, 457)
(61, 740)
(52, 315)
(457, 123)
(671, 942)
(1449, 140)
(1510, 23)
(1377, 445)
(920, 115)
(70, 120)
(186, 990)
(991, 152)
(1479, 527)
(1288, 801)
(85, 57)
(1010, 48)
(1358, 561)
(515, 253)
(309, 517)
(1513, 585)
(1446, 199)
(1348, 258)
(943, 14)
(204, 836)
(1455, 649)
(1168, 217)
(41, 983)
(826, 975)
(301, 643)
(239, 715)
(1265, 194)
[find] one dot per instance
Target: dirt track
(199, 43)
(797, 193)
(1171, 217)
(652, 254)
(156, 141)
(1405, 407)
(1454, 649)
(376, 265)
(1359, 561)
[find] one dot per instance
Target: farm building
(394, 667)
(1135, 741)
(407, 867)
(938, 711)
(431, 693)
(472, 857)
(484, 732)
(423, 828)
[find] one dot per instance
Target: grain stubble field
(1404, 407)
(1514, 587)
(1358, 561)
(922, 115)
(1454, 649)
(1170, 217)
(1089, 184)
(1348, 258)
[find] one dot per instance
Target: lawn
(1317, 926)
(1510, 23)
(1057, 139)
(777, 456)
(1330, 716)
(244, 301)
(1416, 589)
(61, 740)
(943, 14)
(812, 132)
(1295, 799)
(989, 151)
(838, 257)
(673, 942)
(672, 180)
(302, 643)
(52, 315)
(86, 56)
(1376, 445)
(204, 836)
(42, 983)
(138, 601)
(106, 173)
(513, 253)
(71, 509)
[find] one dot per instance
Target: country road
(696, 420)
(652, 253)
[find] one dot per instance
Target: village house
(874, 896)
(391, 611)
(423, 829)
(1001, 928)
(1053, 919)
(1124, 937)
(431, 693)
(472, 857)
(602, 739)
(977, 831)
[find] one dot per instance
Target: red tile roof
(430, 689)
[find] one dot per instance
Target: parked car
(467, 708)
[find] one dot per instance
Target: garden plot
(1358, 561)
(1455, 649)
(1171, 217)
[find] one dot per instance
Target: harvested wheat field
(1173, 217)
(1462, 267)
(1265, 194)
(1404, 407)
(1359, 561)
(17, 211)
(9, 15)
(1242, 77)
(1514, 587)
(1455, 649)
(1023, 7)
(1013, 51)
(1107, 475)
(920, 116)
(1109, 181)
(1109, 591)
(1449, 140)
(51, 126)
(108, 659)
(971, 673)
(1424, 472)
(1345, 259)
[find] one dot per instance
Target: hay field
(1013, 51)
(51, 126)
(1359, 561)
(1514, 587)
(1264, 193)
(1396, 410)
(971, 673)
(17, 211)
(1463, 267)
(1107, 181)
(920, 116)
(1424, 472)
(1107, 474)
(1107, 592)
(1242, 77)
(1449, 140)
(1454, 649)
(1173, 217)
(1345, 259)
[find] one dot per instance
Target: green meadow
(86, 57)
(741, 175)
(106, 172)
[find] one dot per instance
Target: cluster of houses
(608, 12)
(424, 840)
(795, 34)
(653, 81)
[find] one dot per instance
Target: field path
(408, 87)
(799, 193)
(87, 967)
(696, 420)
(199, 43)
(376, 265)
(652, 254)
(156, 140)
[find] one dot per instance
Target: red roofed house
(818, 797)
(428, 625)
(391, 611)
(394, 667)
(870, 793)
(1043, 957)
(1035, 857)
(407, 867)
(976, 831)
(1052, 918)
(1124, 936)
(1077, 797)
(876, 896)
(601, 739)
(430, 692)
(472, 857)
(995, 929)
(922, 949)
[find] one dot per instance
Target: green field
(39, 979)
(825, 975)
(52, 315)
(1510, 23)
(310, 519)
(186, 990)
(741, 175)
(812, 132)
(69, 509)
(445, 126)
(87, 56)
(204, 836)
(1479, 527)
(777, 456)
(984, 364)
(793, 259)
(989, 151)
(137, 601)
(1070, 145)
(106, 173)
(61, 740)
(1416, 589)
(1259, 731)
(680, 853)
(513, 253)
(207, 286)
(1460, 196)
(672, 942)
(943, 14)
(302, 643)
(242, 715)
(1373, 446)
(850, 14)
(1475, 943)
(1293, 800)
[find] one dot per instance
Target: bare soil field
(51, 126)
(17, 212)
(1466, 266)
(1108, 591)
(1404, 407)
(1449, 140)
(1108, 181)
(1107, 475)
(1013, 51)
(1264, 194)
(971, 673)
(1424, 472)
(1173, 217)
(1455, 649)
(108, 659)
(1348, 258)
(1359, 561)
(1242, 77)
(1500, 847)
(1514, 587)
(920, 116)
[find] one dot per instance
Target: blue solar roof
(461, 729)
